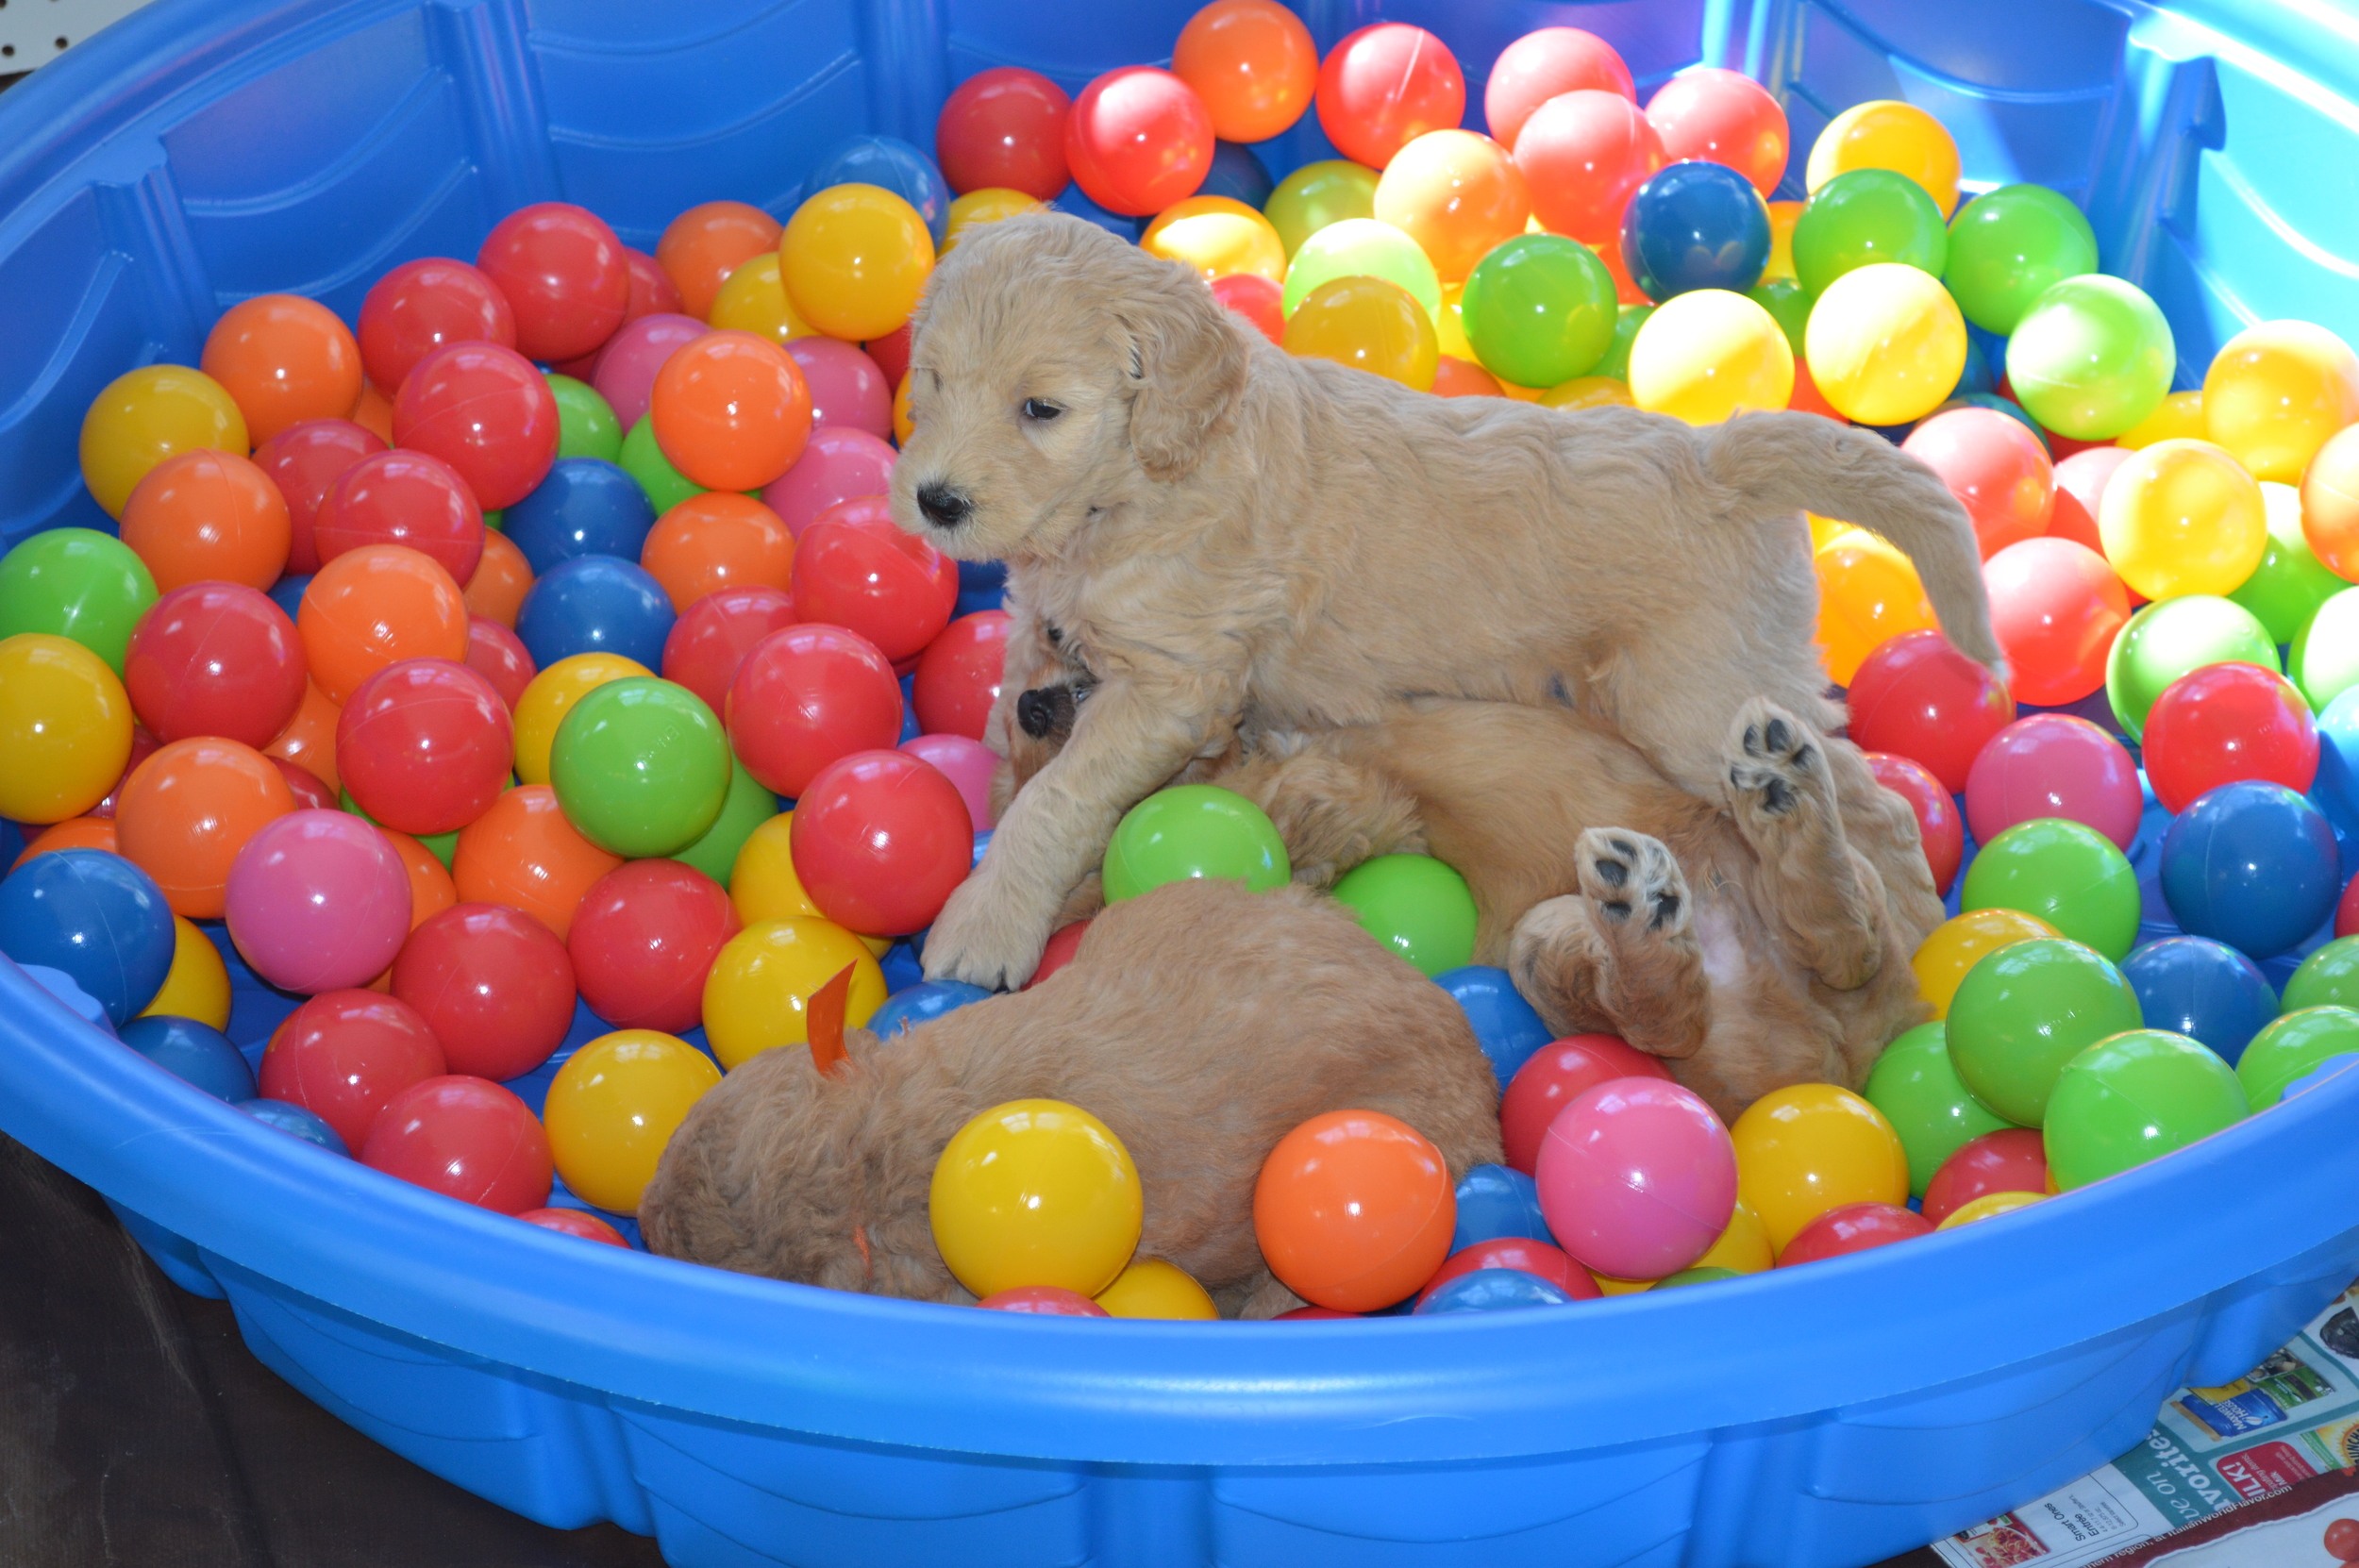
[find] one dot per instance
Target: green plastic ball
(1709, 1274)
(2134, 1098)
(2025, 1010)
(75, 583)
(1318, 194)
(666, 487)
(1866, 216)
(1788, 304)
(2324, 661)
(2065, 873)
(1539, 310)
(443, 846)
(497, 520)
(1363, 247)
(2289, 585)
(640, 767)
(2328, 978)
(586, 425)
(1415, 905)
(2091, 358)
(2293, 1045)
(2010, 246)
(2168, 639)
(1193, 830)
(1616, 364)
(1917, 1087)
(747, 807)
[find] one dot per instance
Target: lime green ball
(1917, 1087)
(640, 766)
(2168, 639)
(2134, 1098)
(1316, 195)
(1866, 216)
(2293, 1047)
(2065, 873)
(1616, 364)
(1709, 1274)
(2025, 1010)
(1415, 905)
(2289, 585)
(2329, 977)
(1788, 304)
(1539, 310)
(586, 425)
(747, 807)
(496, 520)
(443, 846)
(644, 461)
(2091, 358)
(75, 583)
(2010, 246)
(2324, 661)
(1193, 830)
(1362, 247)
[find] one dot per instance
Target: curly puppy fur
(1233, 538)
(1200, 1022)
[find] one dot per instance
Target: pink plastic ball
(966, 763)
(1996, 468)
(1543, 64)
(2053, 765)
(837, 464)
(318, 901)
(847, 390)
(1637, 1177)
(881, 841)
(627, 366)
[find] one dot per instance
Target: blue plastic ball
(2251, 864)
(891, 163)
(586, 507)
(983, 847)
(921, 1003)
(96, 917)
(1495, 1201)
(1238, 174)
(595, 603)
(2335, 790)
(195, 1053)
(1695, 226)
(296, 1122)
(1073, 201)
(286, 593)
(1504, 1024)
(1493, 1290)
(2196, 986)
(1987, 399)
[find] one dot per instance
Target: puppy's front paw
(1629, 876)
(981, 936)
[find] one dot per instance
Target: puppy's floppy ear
(1187, 368)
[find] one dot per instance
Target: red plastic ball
(1004, 127)
(2224, 722)
(487, 413)
(713, 637)
(499, 656)
(1938, 826)
(403, 497)
(1062, 944)
(644, 936)
(2055, 765)
(1919, 697)
(806, 696)
(1552, 1077)
(1384, 86)
(1257, 299)
(1722, 117)
(465, 1138)
(565, 274)
(425, 305)
(958, 676)
(1517, 1252)
(2347, 910)
(1543, 64)
(881, 841)
(2342, 1540)
(214, 659)
(872, 578)
(573, 1222)
(1138, 139)
(1048, 1300)
(1996, 468)
(311, 793)
(652, 291)
(891, 351)
(424, 745)
(305, 461)
(343, 1054)
(494, 985)
(1852, 1227)
(2056, 608)
(1584, 153)
(2012, 1160)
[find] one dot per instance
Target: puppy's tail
(1787, 462)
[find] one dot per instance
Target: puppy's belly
(1724, 956)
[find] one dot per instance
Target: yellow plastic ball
(614, 1105)
(1451, 320)
(753, 300)
(2276, 392)
(2180, 417)
(1824, 530)
(551, 696)
(1743, 1247)
(1884, 133)
(1868, 592)
(197, 985)
(146, 415)
(854, 259)
(1704, 355)
(1036, 1192)
(1809, 1147)
(1370, 325)
(1615, 1285)
(1218, 235)
(985, 205)
(2182, 517)
(1587, 391)
(1960, 943)
(759, 991)
(904, 424)
(1988, 1205)
(1781, 219)
(763, 884)
(1151, 1288)
(65, 728)
(1886, 343)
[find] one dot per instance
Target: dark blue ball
(1237, 173)
(286, 593)
(96, 917)
(595, 603)
(2196, 986)
(982, 845)
(1495, 1201)
(891, 163)
(586, 507)
(2251, 864)
(921, 1003)
(195, 1053)
(1695, 226)
(2014, 411)
(1079, 205)
(296, 1122)
(1504, 1024)
(1493, 1290)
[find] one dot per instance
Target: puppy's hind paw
(1632, 881)
(1775, 761)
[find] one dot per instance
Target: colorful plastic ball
(1810, 1147)
(872, 578)
(551, 696)
(422, 305)
(731, 411)
(341, 1055)
(1584, 153)
(215, 658)
(1695, 226)
(1493, 1290)
(2091, 358)
(762, 881)
(586, 423)
(2055, 765)
(2133, 1098)
(1218, 236)
(2224, 722)
(1056, 1302)
(922, 1004)
(847, 388)
(806, 696)
(1495, 1202)
(523, 853)
(595, 603)
(75, 583)
(1862, 217)
(1868, 593)
(758, 993)
(1996, 468)
(97, 918)
(2182, 517)
(575, 1223)
(189, 809)
(1004, 126)
(91, 832)
(984, 205)
(198, 984)
(2252, 864)
(145, 415)
(2294, 1047)
(407, 498)
(1505, 1025)
(1723, 116)
(2068, 874)
(1539, 311)
(424, 745)
(2201, 988)
(583, 508)
(853, 259)
(890, 164)
(1318, 195)
(374, 607)
(1704, 356)
(1918, 1088)
(310, 739)
(613, 1107)
(492, 982)
(1385, 85)
(969, 765)
(1192, 830)
(296, 1122)
(627, 366)
(1532, 1257)
(2025, 1010)
(2056, 608)
(958, 676)
(1886, 343)
(1919, 698)
(1152, 1289)
(2290, 586)
(2324, 661)
(2328, 977)
(2010, 246)
(431, 890)
(303, 465)
(1138, 141)
(1637, 1177)
(2330, 505)
(1457, 193)
(2169, 639)
(1853, 1227)
(563, 272)
(1369, 324)
(465, 1138)
(1361, 247)
(1035, 1193)
(498, 655)
(318, 900)
(2178, 417)
(484, 410)
(2274, 393)
(881, 841)
(284, 360)
(1417, 907)
(1354, 1210)
(747, 807)
(1885, 133)
(701, 247)
(204, 515)
(718, 629)
(1546, 63)
(839, 466)
(640, 766)
(1951, 949)
(1938, 829)
(716, 541)
(1252, 63)
(2010, 1159)
(66, 726)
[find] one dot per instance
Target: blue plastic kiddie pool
(203, 151)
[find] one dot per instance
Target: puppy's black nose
(944, 508)
(1045, 710)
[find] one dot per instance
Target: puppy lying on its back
(1202, 1022)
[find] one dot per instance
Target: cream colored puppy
(1229, 537)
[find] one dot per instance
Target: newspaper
(2293, 1417)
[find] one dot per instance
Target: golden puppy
(1229, 537)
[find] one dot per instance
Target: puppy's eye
(1039, 409)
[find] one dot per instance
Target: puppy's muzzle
(944, 507)
(1046, 712)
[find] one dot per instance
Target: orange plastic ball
(717, 540)
(310, 739)
(1252, 62)
(374, 413)
(704, 244)
(431, 890)
(185, 811)
(501, 580)
(207, 516)
(1456, 378)
(73, 833)
(523, 853)
(731, 411)
(1457, 193)
(285, 359)
(1354, 1210)
(2330, 503)
(374, 607)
